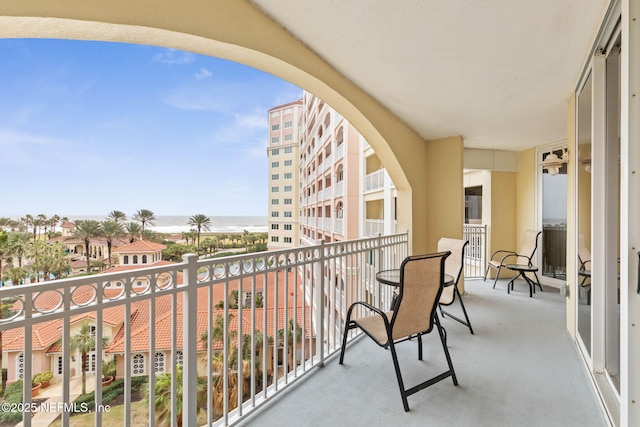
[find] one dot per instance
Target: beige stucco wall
(525, 195)
(499, 205)
(443, 193)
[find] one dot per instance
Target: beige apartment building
(343, 191)
(282, 153)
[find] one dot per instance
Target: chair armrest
(370, 307)
(501, 251)
(513, 254)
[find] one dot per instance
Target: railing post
(190, 342)
(319, 315)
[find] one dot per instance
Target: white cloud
(173, 57)
(203, 74)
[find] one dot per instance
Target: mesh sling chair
(414, 314)
(500, 258)
(453, 267)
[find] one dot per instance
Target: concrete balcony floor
(520, 368)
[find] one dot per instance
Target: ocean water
(180, 223)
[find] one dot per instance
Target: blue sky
(89, 127)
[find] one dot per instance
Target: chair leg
(443, 339)
(537, 281)
(486, 272)
(464, 311)
(347, 327)
(497, 275)
(396, 365)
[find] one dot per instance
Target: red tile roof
(140, 246)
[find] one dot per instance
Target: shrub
(43, 377)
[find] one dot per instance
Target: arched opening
(211, 30)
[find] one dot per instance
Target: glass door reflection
(584, 214)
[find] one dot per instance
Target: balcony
(521, 362)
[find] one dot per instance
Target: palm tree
(111, 230)
(132, 229)
(18, 245)
(144, 217)
(16, 275)
(85, 342)
(117, 216)
(293, 330)
(163, 396)
(201, 222)
(86, 230)
(4, 251)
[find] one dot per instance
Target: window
(288, 175)
(275, 164)
(275, 201)
(288, 214)
(288, 162)
(288, 189)
(288, 137)
(288, 201)
(137, 365)
(288, 227)
(135, 259)
(20, 365)
(158, 362)
(126, 259)
(275, 127)
(275, 177)
(275, 189)
(287, 239)
(179, 358)
(274, 238)
(275, 226)
(58, 365)
(144, 259)
(90, 365)
(288, 124)
(275, 139)
(275, 151)
(275, 214)
(288, 150)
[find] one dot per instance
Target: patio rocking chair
(453, 267)
(421, 281)
(500, 258)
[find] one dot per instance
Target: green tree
(16, 275)
(144, 217)
(201, 222)
(111, 230)
(293, 330)
(163, 389)
(86, 230)
(132, 229)
(117, 216)
(4, 251)
(246, 239)
(18, 243)
(85, 342)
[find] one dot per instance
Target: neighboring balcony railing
(475, 258)
(236, 331)
(373, 227)
(374, 181)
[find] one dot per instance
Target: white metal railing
(338, 225)
(374, 180)
(338, 189)
(475, 258)
(339, 151)
(190, 311)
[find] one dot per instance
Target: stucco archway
(238, 31)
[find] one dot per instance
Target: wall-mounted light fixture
(552, 163)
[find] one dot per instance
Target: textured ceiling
(497, 72)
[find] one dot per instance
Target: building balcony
(373, 227)
(520, 364)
